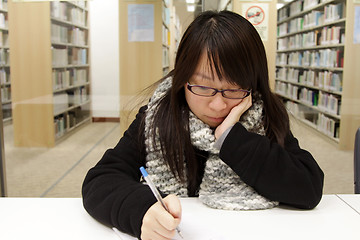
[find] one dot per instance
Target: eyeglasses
(226, 93)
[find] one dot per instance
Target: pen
(156, 193)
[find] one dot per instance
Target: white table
(49, 218)
(65, 219)
(353, 200)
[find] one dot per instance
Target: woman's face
(211, 110)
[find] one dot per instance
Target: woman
(212, 129)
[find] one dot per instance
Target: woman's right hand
(159, 224)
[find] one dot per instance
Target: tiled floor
(59, 171)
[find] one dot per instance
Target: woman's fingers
(158, 223)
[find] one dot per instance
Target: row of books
(4, 76)
(77, 36)
(7, 111)
(310, 3)
(328, 125)
(297, 7)
(309, 96)
(312, 19)
(333, 12)
(165, 57)
(327, 36)
(4, 57)
(4, 39)
(320, 121)
(65, 56)
(59, 126)
(74, 97)
(5, 93)
(287, 89)
(61, 79)
(330, 13)
(78, 96)
(80, 3)
(332, 35)
(166, 15)
(165, 35)
(61, 34)
(329, 58)
(330, 81)
(78, 56)
(60, 102)
(3, 20)
(323, 100)
(65, 78)
(68, 120)
(329, 103)
(325, 80)
(67, 12)
(3, 4)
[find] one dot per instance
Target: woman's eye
(203, 88)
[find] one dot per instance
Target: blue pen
(156, 193)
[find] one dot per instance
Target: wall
(104, 60)
(270, 43)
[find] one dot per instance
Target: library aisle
(59, 171)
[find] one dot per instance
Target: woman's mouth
(216, 119)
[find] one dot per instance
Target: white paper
(140, 22)
(357, 25)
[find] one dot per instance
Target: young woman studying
(212, 129)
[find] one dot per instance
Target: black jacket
(112, 192)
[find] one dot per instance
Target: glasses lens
(235, 93)
(202, 91)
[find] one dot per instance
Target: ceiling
(187, 17)
(201, 5)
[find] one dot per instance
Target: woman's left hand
(233, 116)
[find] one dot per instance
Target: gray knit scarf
(221, 187)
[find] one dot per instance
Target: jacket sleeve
(286, 174)
(112, 192)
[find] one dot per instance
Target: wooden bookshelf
(5, 79)
(50, 70)
(166, 31)
(142, 61)
(315, 66)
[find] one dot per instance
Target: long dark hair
(236, 51)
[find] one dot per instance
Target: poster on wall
(357, 25)
(258, 15)
(140, 22)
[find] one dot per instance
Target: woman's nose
(217, 102)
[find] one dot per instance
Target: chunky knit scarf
(221, 187)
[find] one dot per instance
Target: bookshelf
(50, 73)
(175, 35)
(5, 80)
(166, 36)
(315, 67)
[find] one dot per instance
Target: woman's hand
(159, 223)
(233, 116)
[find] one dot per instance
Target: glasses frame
(190, 86)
